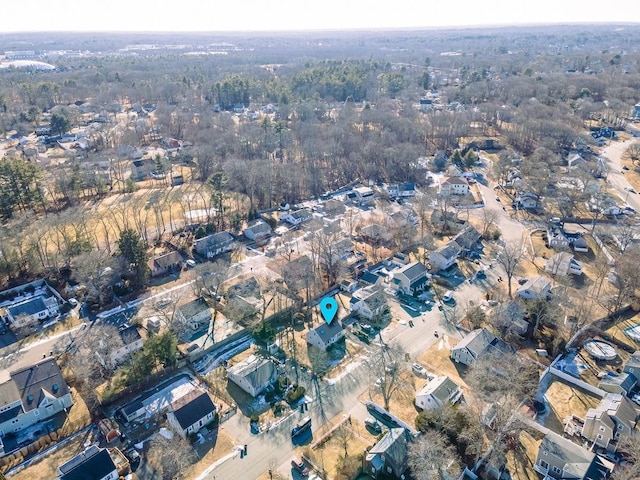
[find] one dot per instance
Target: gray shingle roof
(39, 380)
(29, 307)
(92, 464)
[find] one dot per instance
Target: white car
(630, 189)
(419, 369)
(636, 398)
(447, 297)
(191, 263)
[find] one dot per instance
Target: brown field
(565, 400)
(520, 461)
(224, 444)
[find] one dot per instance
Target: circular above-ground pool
(600, 350)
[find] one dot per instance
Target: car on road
(73, 302)
(498, 199)
(624, 167)
(419, 369)
(630, 189)
(448, 297)
(190, 263)
(373, 425)
(629, 208)
(480, 274)
(299, 466)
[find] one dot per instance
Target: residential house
(557, 239)
(437, 393)
(388, 457)
(614, 418)
(376, 234)
(444, 257)
(131, 342)
(467, 239)
(476, 344)
(527, 201)
(535, 288)
(325, 334)
(93, 463)
(454, 186)
(194, 314)
(214, 245)
(31, 395)
(509, 318)
(253, 375)
(622, 382)
(167, 263)
(402, 190)
(563, 264)
(257, 229)
(561, 459)
(141, 169)
(632, 365)
(133, 411)
(369, 302)
(575, 160)
(190, 413)
(29, 311)
(297, 217)
(364, 195)
(333, 207)
(370, 278)
(411, 278)
(580, 244)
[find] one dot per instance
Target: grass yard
(224, 444)
(330, 453)
(520, 461)
(48, 466)
(564, 401)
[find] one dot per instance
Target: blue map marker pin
(328, 308)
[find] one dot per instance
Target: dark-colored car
(299, 466)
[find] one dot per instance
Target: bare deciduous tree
(432, 457)
(509, 258)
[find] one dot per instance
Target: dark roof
(369, 277)
(168, 259)
(327, 331)
(130, 335)
(213, 241)
(413, 271)
(39, 380)
(92, 464)
(132, 407)
(192, 407)
(467, 238)
(29, 307)
(393, 445)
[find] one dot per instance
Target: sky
(283, 15)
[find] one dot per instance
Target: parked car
(73, 302)
(630, 189)
(300, 467)
(636, 398)
(191, 263)
(419, 369)
(448, 297)
(373, 425)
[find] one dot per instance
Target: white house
(213, 245)
(253, 375)
(563, 264)
(94, 463)
(297, 217)
(325, 335)
(402, 190)
(31, 395)
(364, 195)
(411, 277)
(437, 393)
(454, 186)
(30, 311)
(557, 239)
(131, 342)
(444, 257)
(528, 201)
(190, 413)
(195, 313)
(535, 288)
(257, 229)
(369, 302)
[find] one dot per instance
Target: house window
(599, 436)
(601, 428)
(544, 452)
(15, 420)
(620, 426)
(36, 412)
(557, 470)
(544, 464)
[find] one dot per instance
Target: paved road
(615, 177)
